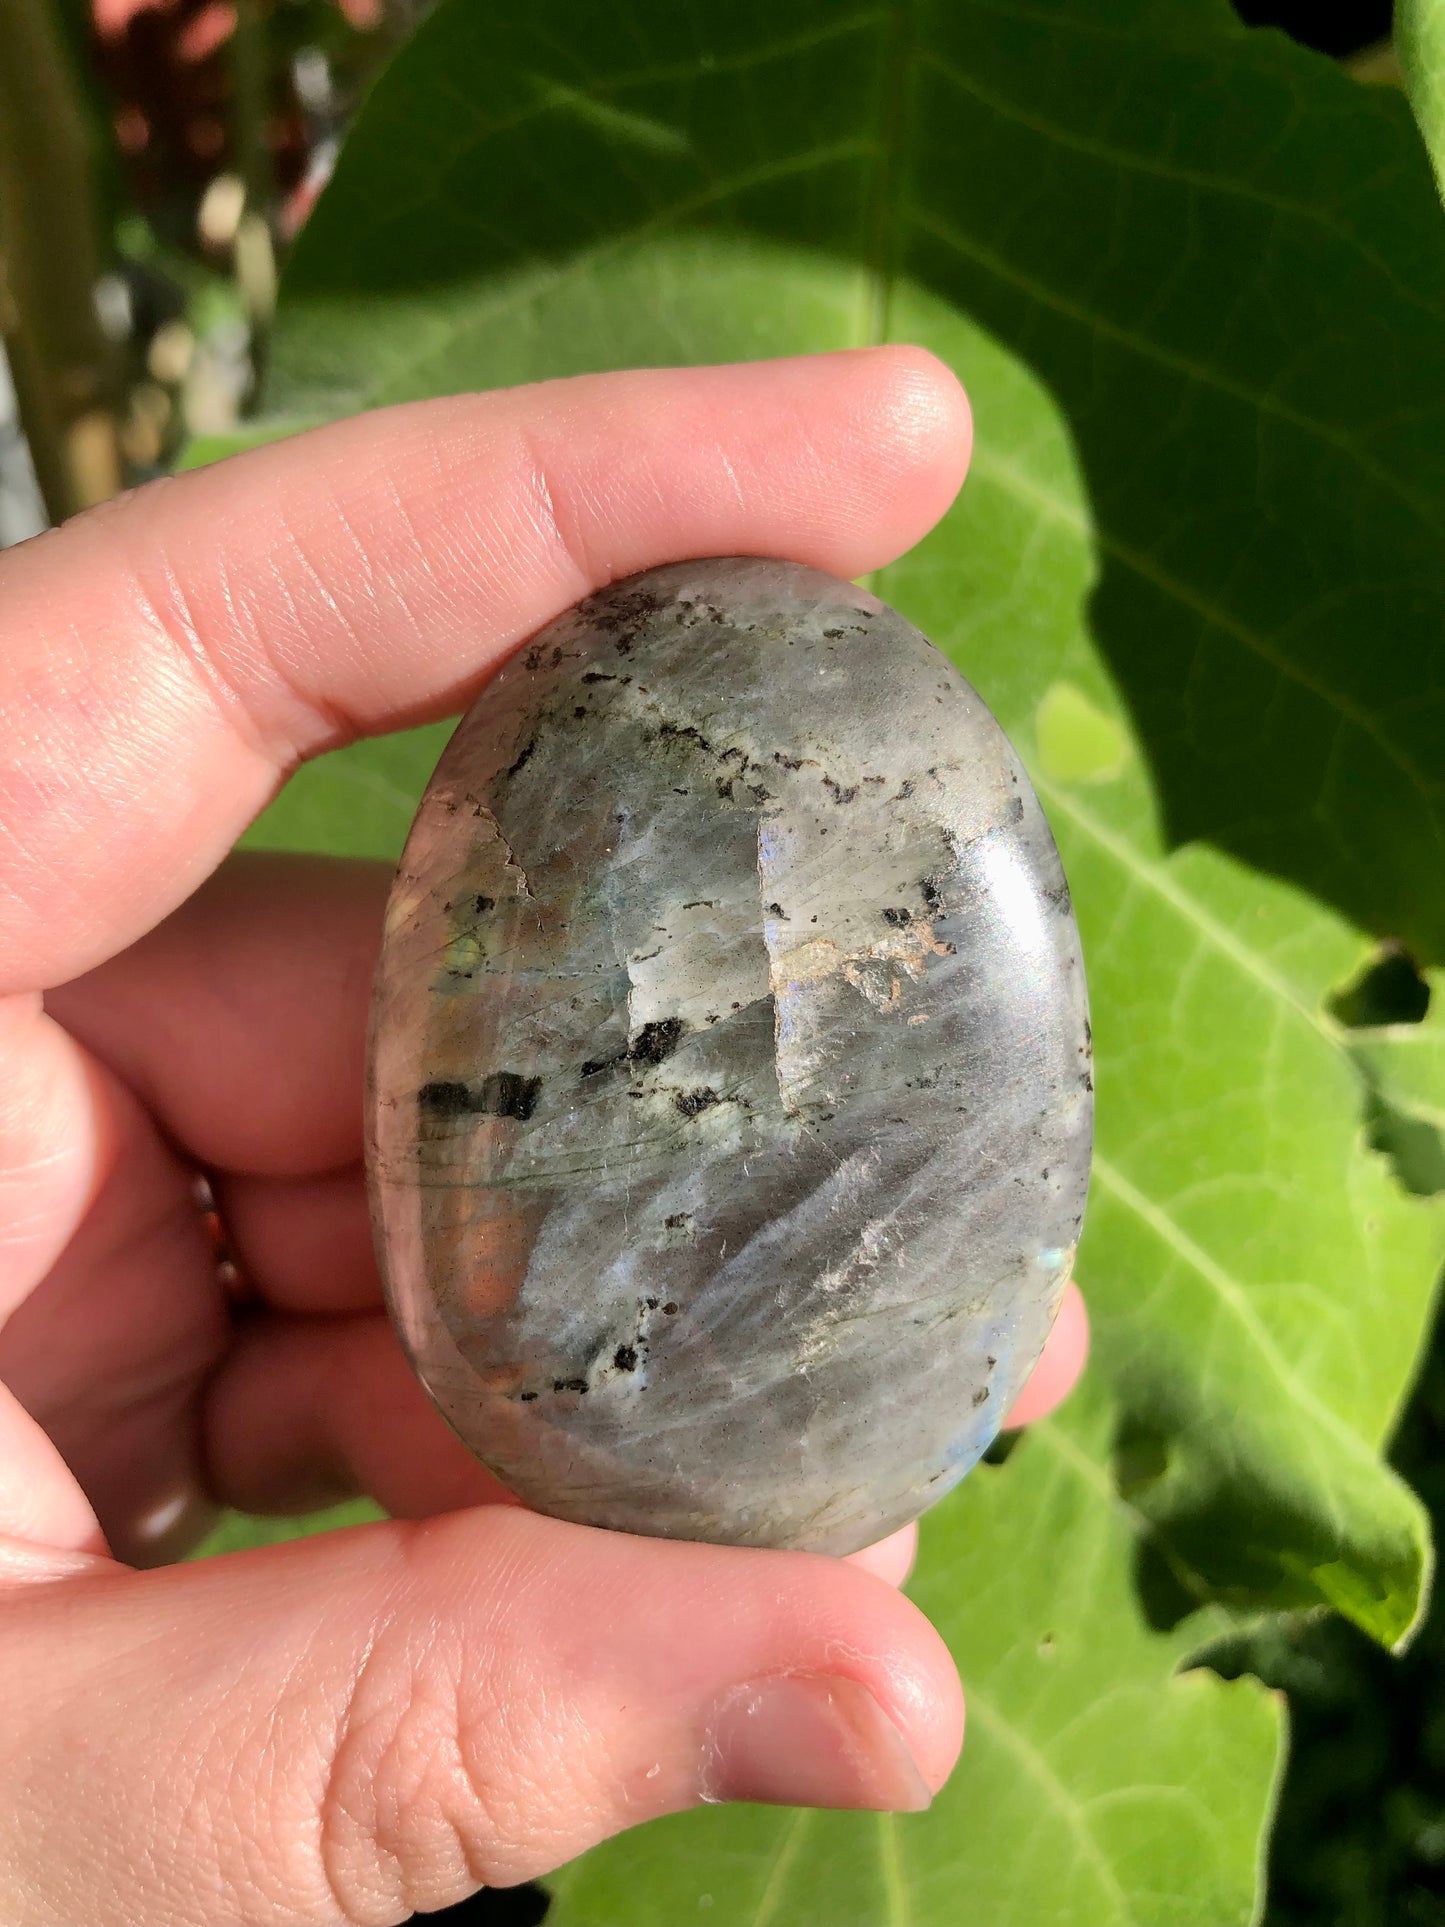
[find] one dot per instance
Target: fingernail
(808, 1741)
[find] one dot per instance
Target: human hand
(349, 1727)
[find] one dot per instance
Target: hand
(349, 1727)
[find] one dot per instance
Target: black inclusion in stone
(657, 1040)
(444, 1097)
(693, 1103)
(652, 1044)
(498, 1094)
(507, 1094)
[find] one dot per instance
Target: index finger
(165, 661)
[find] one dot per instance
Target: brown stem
(62, 365)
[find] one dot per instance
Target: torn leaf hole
(1389, 990)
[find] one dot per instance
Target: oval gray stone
(730, 1097)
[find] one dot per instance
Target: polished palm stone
(730, 1097)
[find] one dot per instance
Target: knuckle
(434, 1785)
(558, 513)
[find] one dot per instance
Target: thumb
(348, 1728)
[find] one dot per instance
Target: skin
(347, 1728)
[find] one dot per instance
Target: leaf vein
(1171, 171)
(1232, 1294)
(1201, 373)
(788, 1847)
(1057, 1793)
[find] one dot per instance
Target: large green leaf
(1195, 281)
(1180, 634)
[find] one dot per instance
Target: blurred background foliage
(185, 144)
(169, 153)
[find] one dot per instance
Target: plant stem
(62, 366)
(254, 250)
(251, 106)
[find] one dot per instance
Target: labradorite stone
(730, 1098)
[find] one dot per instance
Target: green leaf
(1170, 538)
(237, 1530)
(1195, 282)
(358, 802)
(1419, 28)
